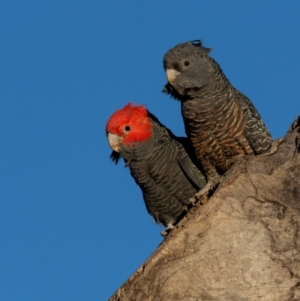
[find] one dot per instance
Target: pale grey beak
(114, 141)
(171, 75)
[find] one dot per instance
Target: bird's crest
(129, 112)
(198, 43)
(133, 117)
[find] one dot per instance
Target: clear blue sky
(73, 226)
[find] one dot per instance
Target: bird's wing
(188, 161)
(163, 206)
(256, 131)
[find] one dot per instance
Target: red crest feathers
(136, 118)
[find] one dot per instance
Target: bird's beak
(171, 75)
(114, 141)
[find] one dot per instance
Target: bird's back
(156, 168)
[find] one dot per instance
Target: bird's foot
(203, 193)
(274, 147)
(204, 190)
(168, 229)
(192, 201)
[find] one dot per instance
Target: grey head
(188, 66)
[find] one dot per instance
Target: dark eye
(127, 128)
(186, 63)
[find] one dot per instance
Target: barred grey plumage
(220, 122)
(160, 163)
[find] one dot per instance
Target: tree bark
(242, 244)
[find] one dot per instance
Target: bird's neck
(149, 149)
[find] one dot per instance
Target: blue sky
(73, 226)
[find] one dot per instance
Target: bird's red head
(131, 123)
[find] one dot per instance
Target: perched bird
(220, 121)
(160, 163)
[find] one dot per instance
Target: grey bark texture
(243, 244)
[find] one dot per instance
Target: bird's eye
(186, 63)
(127, 128)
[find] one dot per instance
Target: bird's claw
(274, 147)
(210, 185)
(192, 201)
(168, 229)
